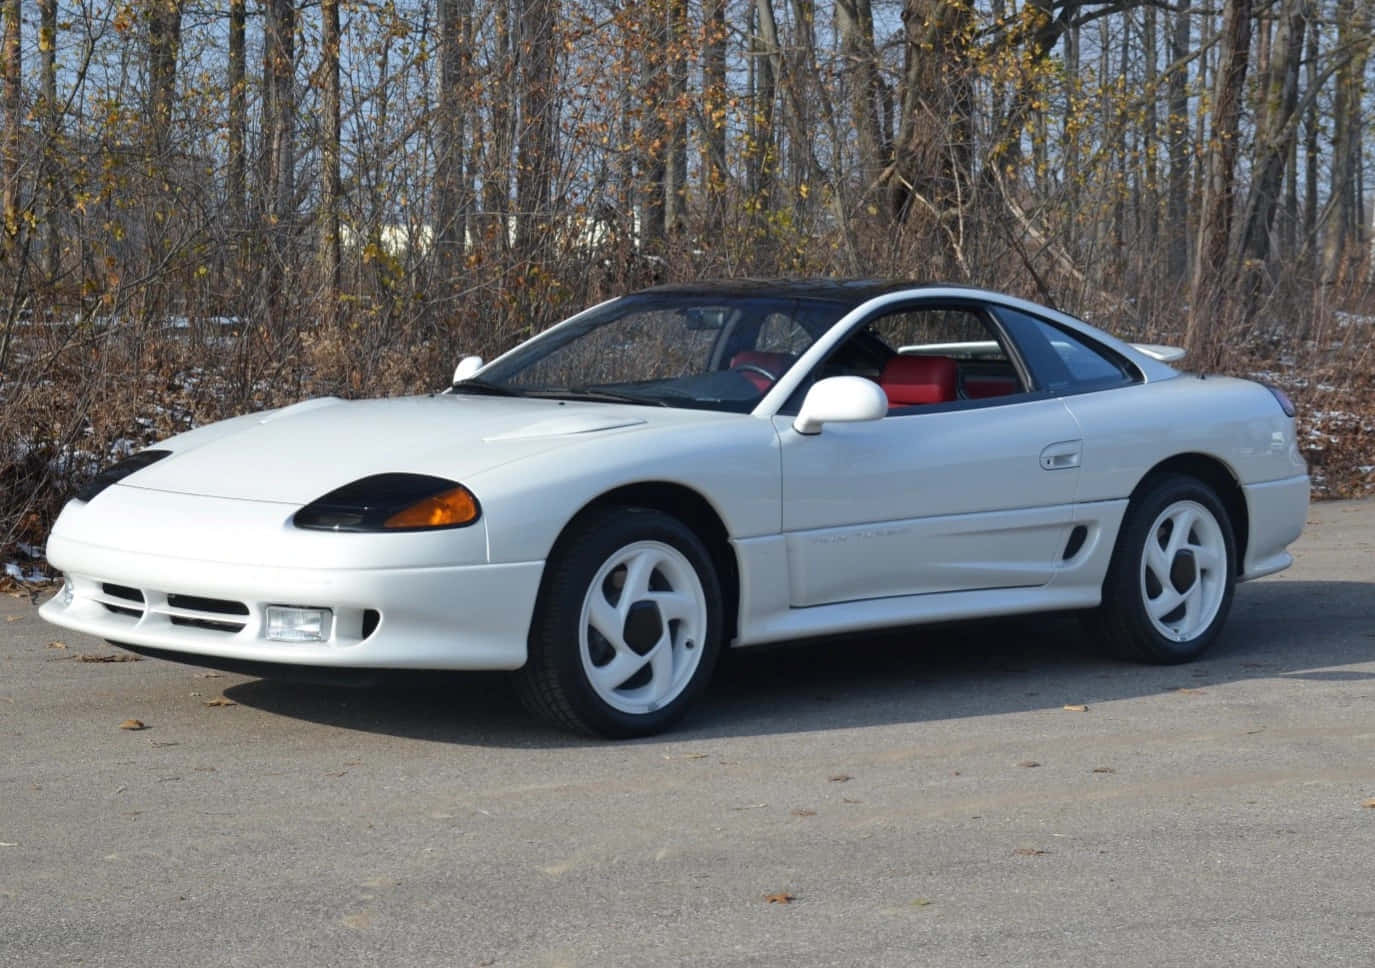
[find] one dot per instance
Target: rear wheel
(628, 626)
(1169, 587)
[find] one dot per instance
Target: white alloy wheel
(1169, 586)
(643, 627)
(1183, 570)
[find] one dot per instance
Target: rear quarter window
(1062, 361)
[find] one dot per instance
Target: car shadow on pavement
(1296, 630)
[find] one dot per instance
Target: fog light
(287, 623)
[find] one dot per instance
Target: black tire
(555, 683)
(1123, 623)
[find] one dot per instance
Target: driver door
(974, 492)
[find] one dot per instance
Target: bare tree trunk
(451, 201)
(1276, 127)
(536, 145)
(496, 176)
(51, 115)
(331, 186)
(1177, 205)
(1214, 266)
(714, 104)
(1343, 249)
(855, 27)
(238, 116)
(1312, 125)
(279, 97)
(933, 158)
(675, 170)
(761, 155)
(11, 143)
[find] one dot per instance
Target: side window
(929, 355)
(1063, 360)
(955, 332)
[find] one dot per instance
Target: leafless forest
(210, 207)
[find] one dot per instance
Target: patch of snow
(32, 576)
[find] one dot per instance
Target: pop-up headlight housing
(392, 502)
(118, 472)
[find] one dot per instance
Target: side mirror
(467, 367)
(840, 399)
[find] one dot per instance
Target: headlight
(118, 472)
(392, 502)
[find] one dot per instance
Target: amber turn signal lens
(443, 510)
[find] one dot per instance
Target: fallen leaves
(54, 644)
(1028, 764)
(209, 675)
(1369, 803)
(840, 778)
(1030, 852)
(1103, 769)
(109, 657)
(1076, 708)
(803, 812)
(132, 724)
(220, 701)
(14, 618)
(921, 902)
(1187, 689)
(780, 897)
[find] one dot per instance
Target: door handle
(1062, 455)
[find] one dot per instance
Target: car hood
(300, 453)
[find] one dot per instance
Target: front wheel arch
(689, 507)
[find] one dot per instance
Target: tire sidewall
(556, 638)
(1127, 583)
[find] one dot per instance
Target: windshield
(702, 351)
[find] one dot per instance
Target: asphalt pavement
(988, 794)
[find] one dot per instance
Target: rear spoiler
(1165, 354)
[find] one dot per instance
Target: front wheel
(628, 626)
(1169, 586)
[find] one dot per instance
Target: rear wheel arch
(689, 507)
(1217, 475)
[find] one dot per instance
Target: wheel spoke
(1207, 559)
(618, 671)
(1158, 561)
(1180, 526)
(661, 664)
(637, 574)
(674, 606)
(1165, 603)
(606, 619)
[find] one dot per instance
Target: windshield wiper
(475, 385)
(598, 395)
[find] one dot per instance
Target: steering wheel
(755, 368)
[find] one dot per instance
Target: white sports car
(605, 507)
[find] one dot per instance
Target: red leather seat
(909, 380)
(982, 387)
(772, 363)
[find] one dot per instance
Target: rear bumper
(1277, 511)
(446, 617)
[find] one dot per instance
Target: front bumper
(434, 617)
